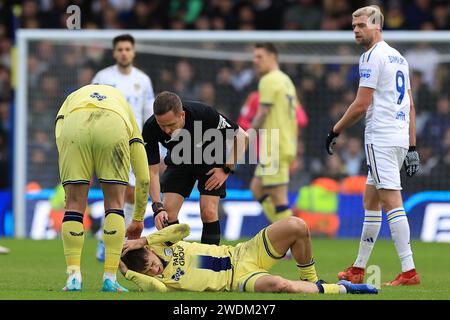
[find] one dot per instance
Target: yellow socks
(308, 272)
(72, 233)
(282, 212)
(113, 238)
(329, 288)
(268, 207)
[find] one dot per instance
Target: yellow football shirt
(102, 96)
(192, 266)
(188, 266)
(278, 92)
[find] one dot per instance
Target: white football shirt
(136, 87)
(384, 69)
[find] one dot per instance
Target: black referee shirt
(195, 111)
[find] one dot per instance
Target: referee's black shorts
(181, 179)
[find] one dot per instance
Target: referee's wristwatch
(227, 170)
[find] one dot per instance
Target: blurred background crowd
(325, 90)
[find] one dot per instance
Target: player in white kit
(384, 97)
(138, 90)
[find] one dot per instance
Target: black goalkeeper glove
(412, 161)
(331, 141)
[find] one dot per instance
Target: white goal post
(159, 42)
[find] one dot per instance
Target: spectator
(224, 11)
(35, 70)
(334, 168)
(185, 10)
(302, 15)
(394, 18)
(5, 83)
(425, 59)
(304, 168)
(207, 94)
(417, 14)
(267, 14)
(336, 16)
(246, 17)
(226, 93)
(85, 75)
(438, 123)
(165, 82)
(140, 17)
(202, 23)
(428, 158)
(5, 125)
(354, 157)
(184, 80)
(441, 16)
(110, 19)
(5, 50)
(424, 99)
(440, 174)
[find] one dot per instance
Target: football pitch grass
(35, 270)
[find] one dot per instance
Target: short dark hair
(123, 37)
(167, 101)
(269, 46)
(135, 260)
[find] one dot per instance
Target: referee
(176, 125)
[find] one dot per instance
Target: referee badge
(137, 86)
(168, 251)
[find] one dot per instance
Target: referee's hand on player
(161, 219)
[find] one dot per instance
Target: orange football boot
(352, 274)
(408, 278)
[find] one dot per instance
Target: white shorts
(132, 179)
(384, 164)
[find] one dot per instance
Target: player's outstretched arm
(145, 283)
(173, 233)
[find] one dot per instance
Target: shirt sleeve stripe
(136, 140)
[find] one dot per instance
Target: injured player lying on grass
(163, 262)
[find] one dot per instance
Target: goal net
(216, 68)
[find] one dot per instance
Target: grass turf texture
(36, 270)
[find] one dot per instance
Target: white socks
(398, 223)
(371, 228)
(73, 272)
(110, 276)
(128, 213)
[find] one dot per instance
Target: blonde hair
(373, 14)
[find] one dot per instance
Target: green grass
(36, 270)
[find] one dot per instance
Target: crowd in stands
(325, 91)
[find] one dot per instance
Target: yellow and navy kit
(192, 266)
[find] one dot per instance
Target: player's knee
(299, 227)
(209, 214)
(371, 204)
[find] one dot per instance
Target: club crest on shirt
(97, 96)
(168, 252)
(137, 86)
